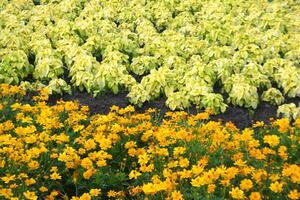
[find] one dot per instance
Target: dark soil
(241, 117)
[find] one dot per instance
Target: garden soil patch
(241, 117)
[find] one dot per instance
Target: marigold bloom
(276, 187)
(272, 140)
(134, 174)
(87, 174)
(55, 176)
(236, 193)
(149, 188)
(176, 195)
(255, 196)
(30, 195)
(7, 193)
(283, 125)
(211, 188)
(29, 182)
(86, 163)
(43, 189)
(294, 194)
(85, 196)
(95, 192)
(246, 184)
(33, 165)
(282, 152)
(183, 162)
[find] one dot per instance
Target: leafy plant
(273, 96)
(289, 111)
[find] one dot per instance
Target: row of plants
(64, 152)
(181, 49)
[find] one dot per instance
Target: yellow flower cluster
(63, 152)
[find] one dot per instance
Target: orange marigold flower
(255, 196)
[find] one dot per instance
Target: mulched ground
(241, 117)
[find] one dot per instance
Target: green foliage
(290, 111)
(182, 49)
(273, 96)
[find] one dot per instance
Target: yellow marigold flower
(148, 168)
(86, 163)
(191, 121)
(132, 152)
(1, 107)
(282, 152)
(283, 125)
(130, 144)
(30, 195)
(114, 108)
(255, 196)
(143, 159)
(7, 193)
(151, 110)
(101, 163)
(13, 186)
(55, 176)
(54, 193)
(197, 169)
(231, 126)
(89, 144)
(294, 194)
(246, 184)
(7, 179)
(149, 188)
(198, 182)
(297, 123)
(236, 193)
(85, 196)
(128, 109)
(274, 177)
(184, 162)
(211, 188)
(29, 182)
(176, 195)
(33, 165)
(8, 125)
(105, 143)
(95, 192)
(276, 187)
(135, 191)
(54, 155)
(240, 163)
(134, 174)
(54, 169)
(258, 124)
(178, 151)
(90, 172)
(43, 189)
(112, 193)
(202, 116)
(272, 140)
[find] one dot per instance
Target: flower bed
(63, 152)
